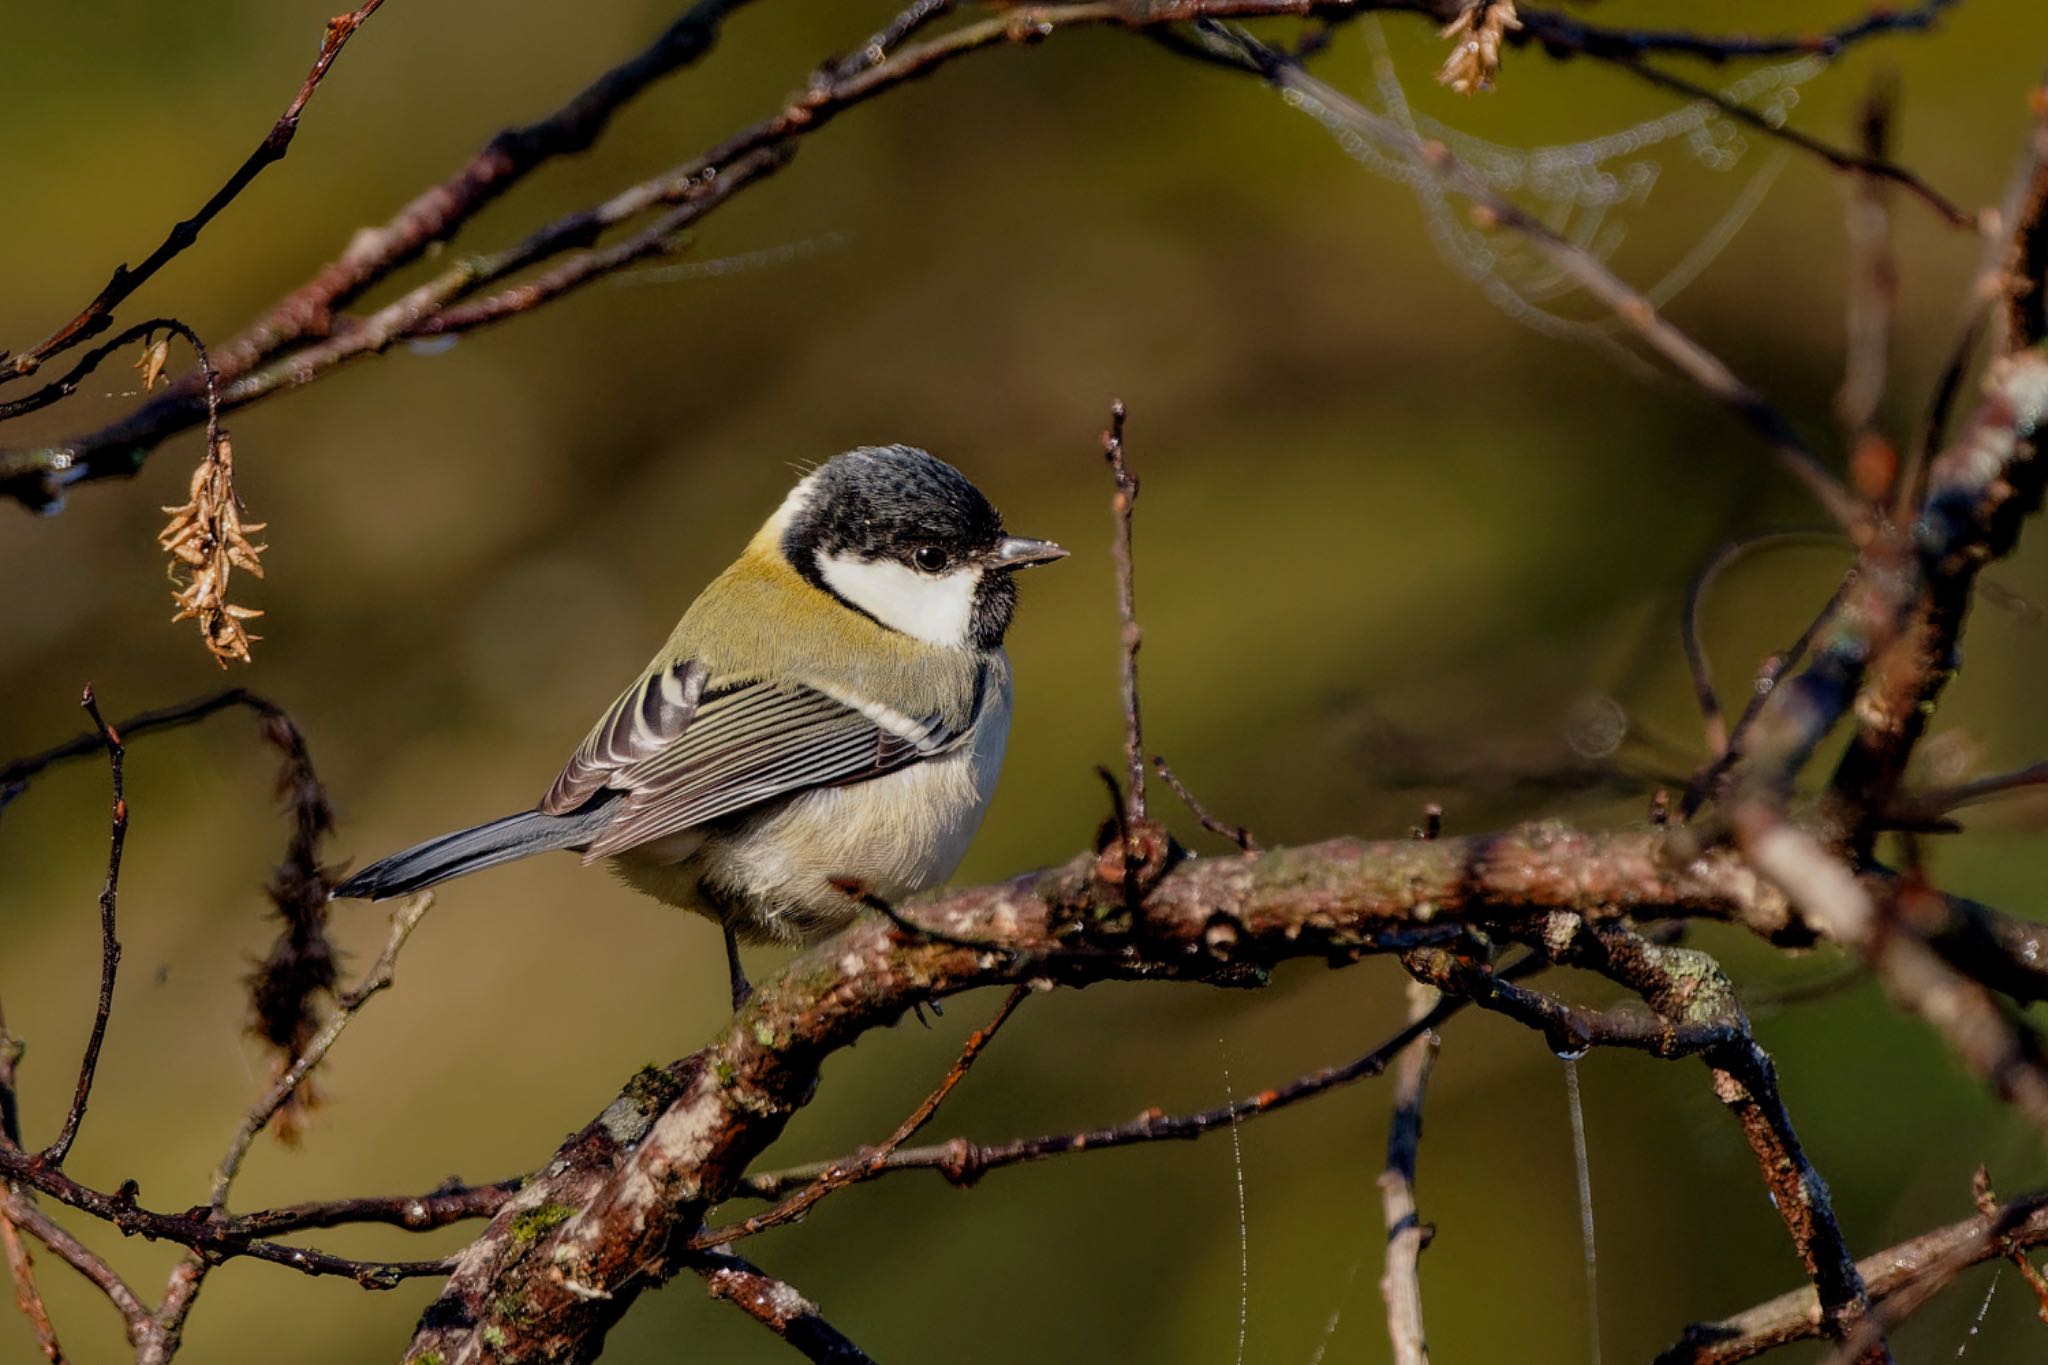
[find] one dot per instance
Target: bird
(824, 726)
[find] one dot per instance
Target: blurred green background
(1393, 548)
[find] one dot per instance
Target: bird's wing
(683, 754)
(648, 717)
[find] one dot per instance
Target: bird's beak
(1020, 552)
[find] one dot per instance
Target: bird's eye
(931, 558)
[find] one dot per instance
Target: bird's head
(904, 538)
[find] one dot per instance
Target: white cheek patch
(935, 608)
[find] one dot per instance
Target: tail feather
(471, 850)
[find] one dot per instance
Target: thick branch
(612, 1211)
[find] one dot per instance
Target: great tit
(831, 710)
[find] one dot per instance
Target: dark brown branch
(95, 316)
(61, 388)
(17, 773)
(452, 1202)
(776, 1306)
(867, 1162)
(963, 1162)
(222, 1236)
(1559, 33)
(110, 947)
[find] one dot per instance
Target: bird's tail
(470, 850)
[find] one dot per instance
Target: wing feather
(683, 754)
(648, 717)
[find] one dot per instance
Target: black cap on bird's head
(903, 537)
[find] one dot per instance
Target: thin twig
(1236, 834)
(110, 947)
(28, 1297)
(1407, 1235)
(963, 1162)
(1930, 808)
(74, 1253)
(1870, 164)
(1556, 31)
(1705, 781)
(1988, 1205)
(96, 315)
(865, 1164)
(16, 774)
(1122, 502)
(21, 1267)
(405, 917)
(1696, 658)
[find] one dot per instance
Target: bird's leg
(742, 989)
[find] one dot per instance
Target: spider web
(1583, 191)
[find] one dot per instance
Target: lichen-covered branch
(612, 1212)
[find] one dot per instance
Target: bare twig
(1556, 31)
(1775, 668)
(1122, 502)
(96, 315)
(1933, 1258)
(451, 1202)
(1869, 164)
(1988, 1205)
(963, 1163)
(867, 1162)
(16, 774)
(1931, 807)
(1407, 1235)
(1236, 834)
(25, 1215)
(405, 917)
(1696, 657)
(776, 1306)
(110, 947)
(28, 1297)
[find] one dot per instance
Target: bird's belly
(772, 875)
